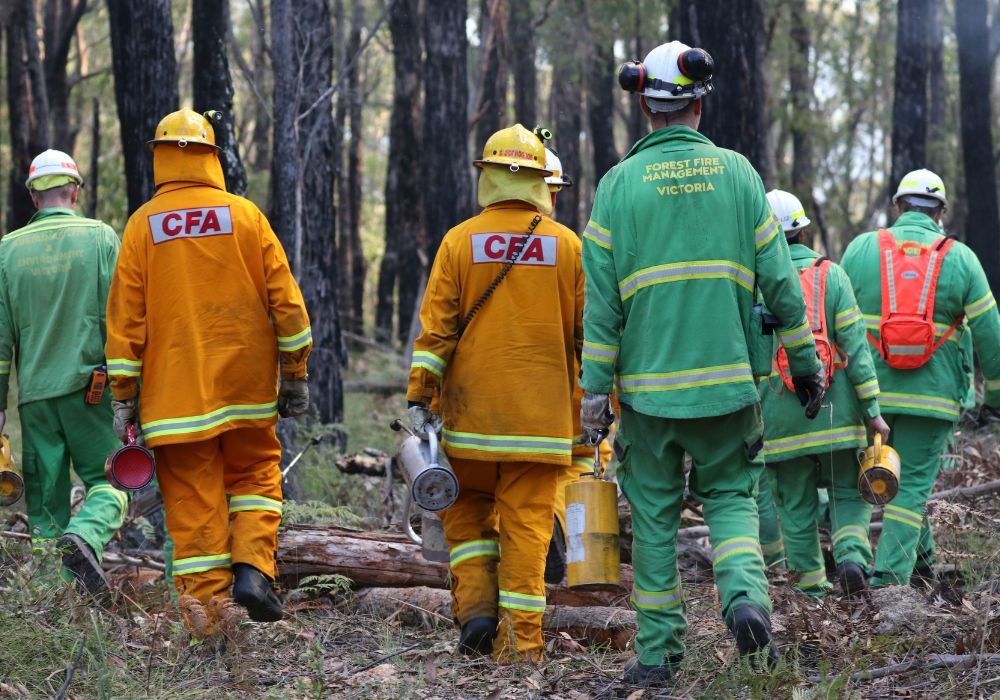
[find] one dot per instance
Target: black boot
(752, 628)
(923, 576)
(555, 560)
(252, 590)
(852, 577)
(477, 636)
(639, 674)
(79, 559)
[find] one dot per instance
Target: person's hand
(124, 417)
(293, 397)
(423, 420)
(596, 417)
(880, 427)
(811, 389)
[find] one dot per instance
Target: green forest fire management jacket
(852, 396)
(680, 236)
(938, 389)
(54, 279)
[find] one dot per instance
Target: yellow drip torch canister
(593, 559)
(878, 481)
(11, 483)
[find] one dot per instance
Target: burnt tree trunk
(975, 67)
(259, 71)
(638, 126)
(212, 85)
(909, 104)
(521, 53)
(404, 258)
(938, 145)
(735, 116)
(27, 107)
(142, 52)
(492, 108)
(448, 191)
(601, 106)
(95, 158)
(566, 104)
(302, 176)
(61, 20)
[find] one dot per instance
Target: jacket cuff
(871, 408)
(597, 379)
(123, 388)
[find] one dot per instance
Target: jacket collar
(671, 134)
(799, 251)
(510, 204)
(52, 211)
(915, 219)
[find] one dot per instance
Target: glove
(422, 420)
(878, 425)
(811, 389)
(293, 397)
(124, 417)
(596, 417)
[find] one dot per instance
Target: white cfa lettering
(504, 247)
(190, 223)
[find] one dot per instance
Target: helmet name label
(190, 223)
(504, 247)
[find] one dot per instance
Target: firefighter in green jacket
(802, 455)
(54, 279)
(922, 404)
(680, 237)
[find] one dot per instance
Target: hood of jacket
(175, 167)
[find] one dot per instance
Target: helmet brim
(177, 142)
(513, 167)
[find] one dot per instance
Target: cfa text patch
(191, 223)
(504, 247)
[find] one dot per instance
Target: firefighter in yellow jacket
(203, 310)
(504, 366)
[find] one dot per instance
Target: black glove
(596, 417)
(811, 389)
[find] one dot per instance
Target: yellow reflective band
(429, 361)
(846, 318)
(981, 306)
(934, 404)
(657, 600)
(529, 444)
(196, 565)
(119, 496)
(907, 517)
(598, 234)
(473, 549)
(811, 579)
(65, 223)
(5, 367)
(794, 337)
(207, 421)
(290, 343)
(122, 367)
(521, 601)
(993, 385)
(734, 546)
(850, 434)
(598, 352)
(850, 531)
(766, 232)
(770, 548)
(683, 271)
(867, 390)
(685, 379)
(239, 504)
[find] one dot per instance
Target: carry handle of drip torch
(598, 467)
(878, 448)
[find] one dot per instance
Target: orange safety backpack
(910, 274)
(813, 282)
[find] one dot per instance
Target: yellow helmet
(183, 127)
(514, 147)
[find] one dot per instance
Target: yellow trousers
(222, 499)
(498, 532)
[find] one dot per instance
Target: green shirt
(54, 279)
(938, 389)
(852, 397)
(680, 236)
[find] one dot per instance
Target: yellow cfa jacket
(506, 389)
(201, 304)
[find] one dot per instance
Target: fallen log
(370, 462)
(380, 388)
(429, 607)
(929, 662)
(976, 491)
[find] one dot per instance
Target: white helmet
(53, 162)
(789, 210)
(922, 188)
(670, 77)
(558, 177)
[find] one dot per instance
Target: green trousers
(906, 536)
(795, 483)
(55, 433)
(651, 474)
(769, 531)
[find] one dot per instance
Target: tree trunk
(975, 67)
(909, 105)
(404, 258)
(492, 109)
(568, 124)
(353, 285)
(302, 177)
(27, 107)
(61, 20)
(212, 84)
(638, 125)
(735, 115)
(261, 119)
(601, 106)
(521, 53)
(448, 189)
(95, 158)
(142, 51)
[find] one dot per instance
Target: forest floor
(53, 644)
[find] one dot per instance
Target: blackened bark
(938, 147)
(95, 158)
(142, 51)
(909, 104)
(302, 176)
(404, 258)
(356, 96)
(261, 119)
(800, 85)
(638, 125)
(212, 85)
(735, 116)
(567, 105)
(61, 20)
(448, 185)
(492, 108)
(975, 66)
(521, 53)
(601, 105)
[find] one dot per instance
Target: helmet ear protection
(696, 64)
